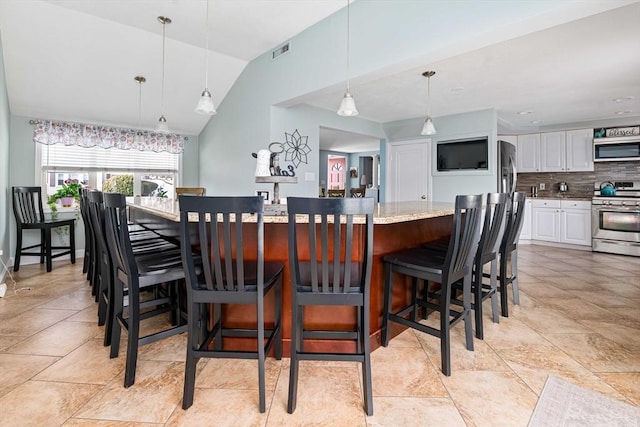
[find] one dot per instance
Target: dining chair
(88, 247)
(330, 265)
(444, 268)
(29, 215)
(158, 273)
(508, 274)
(192, 191)
(335, 193)
(357, 192)
(223, 257)
(487, 253)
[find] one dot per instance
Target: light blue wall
(191, 162)
(4, 165)
(384, 33)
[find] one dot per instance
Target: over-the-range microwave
(616, 149)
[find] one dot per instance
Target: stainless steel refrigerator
(507, 173)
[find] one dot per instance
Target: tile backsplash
(580, 183)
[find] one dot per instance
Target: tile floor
(579, 319)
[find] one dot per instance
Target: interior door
(409, 171)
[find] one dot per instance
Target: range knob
(624, 203)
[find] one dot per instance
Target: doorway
(409, 171)
(336, 172)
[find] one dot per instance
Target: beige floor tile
(222, 407)
(17, 368)
(578, 309)
(152, 399)
(320, 388)
(491, 398)
(239, 374)
(406, 338)
(55, 403)
(412, 411)
(511, 333)
(545, 321)
(78, 300)
(32, 321)
(172, 349)
(13, 304)
(541, 289)
(597, 353)
(534, 368)
(622, 333)
(89, 314)
(58, 340)
(88, 364)
(78, 422)
(7, 342)
(404, 372)
(627, 383)
(605, 299)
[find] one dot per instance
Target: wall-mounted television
(463, 154)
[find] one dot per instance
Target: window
(151, 173)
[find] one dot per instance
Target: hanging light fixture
(205, 104)
(162, 121)
(428, 128)
(348, 104)
(139, 138)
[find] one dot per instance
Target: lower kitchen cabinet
(561, 221)
(525, 232)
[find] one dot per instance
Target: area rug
(564, 404)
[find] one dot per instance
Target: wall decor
(295, 147)
(264, 194)
(353, 172)
(616, 132)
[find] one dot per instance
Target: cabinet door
(575, 226)
(546, 225)
(525, 232)
(580, 150)
(552, 151)
(528, 153)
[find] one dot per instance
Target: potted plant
(68, 194)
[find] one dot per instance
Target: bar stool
(223, 256)
(339, 274)
(444, 268)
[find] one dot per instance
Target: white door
(408, 171)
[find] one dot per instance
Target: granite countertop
(385, 213)
(558, 197)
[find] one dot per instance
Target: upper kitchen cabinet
(563, 151)
(579, 150)
(528, 153)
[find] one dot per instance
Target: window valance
(51, 132)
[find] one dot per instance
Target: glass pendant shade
(163, 127)
(205, 105)
(428, 128)
(348, 106)
(139, 138)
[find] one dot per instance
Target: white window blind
(62, 157)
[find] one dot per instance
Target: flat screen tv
(463, 154)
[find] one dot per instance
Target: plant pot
(67, 201)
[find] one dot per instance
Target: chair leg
(466, 305)
(366, 364)
(133, 333)
(504, 300)
(296, 335)
(217, 322)
(277, 323)
(494, 291)
(43, 248)
(514, 275)
(414, 299)
(47, 248)
(16, 258)
(261, 355)
(445, 328)
(191, 362)
(388, 272)
(72, 242)
(117, 300)
(477, 301)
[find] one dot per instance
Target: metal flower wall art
(295, 149)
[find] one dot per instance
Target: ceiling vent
(280, 50)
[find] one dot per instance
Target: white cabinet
(562, 221)
(528, 153)
(525, 232)
(579, 150)
(563, 151)
(553, 151)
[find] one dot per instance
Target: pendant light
(205, 104)
(163, 127)
(139, 138)
(348, 104)
(428, 128)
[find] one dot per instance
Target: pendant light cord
(428, 96)
(206, 53)
(164, 27)
(348, 42)
(139, 104)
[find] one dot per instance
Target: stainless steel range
(615, 220)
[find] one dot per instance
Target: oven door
(616, 223)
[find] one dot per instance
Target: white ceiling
(75, 60)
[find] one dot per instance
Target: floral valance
(50, 132)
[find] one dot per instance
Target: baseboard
(559, 245)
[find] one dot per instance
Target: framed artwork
(353, 172)
(264, 194)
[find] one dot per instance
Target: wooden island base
(388, 237)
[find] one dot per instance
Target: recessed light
(457, 89)
(623, 99)
(622, 112)
(535, 122)
(524, 113)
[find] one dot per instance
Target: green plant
(70, 188)
(119, 184)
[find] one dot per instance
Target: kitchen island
(396, 226)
